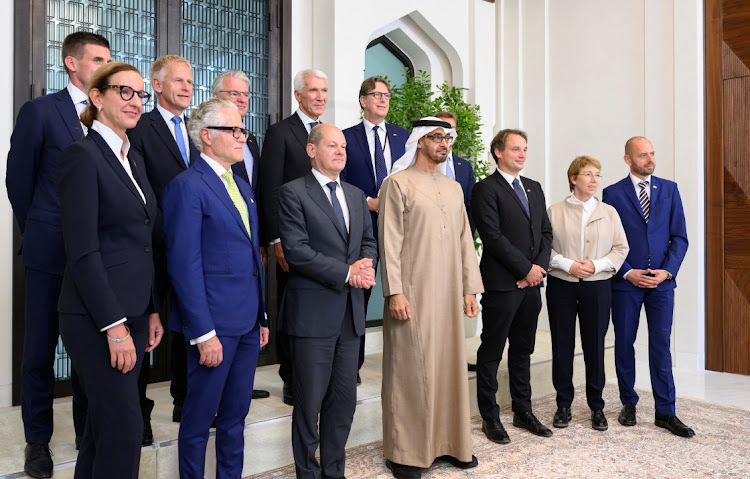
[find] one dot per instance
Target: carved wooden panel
(731, 65)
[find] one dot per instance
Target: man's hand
(535, 275)
(582, 269)
(637, 277)
(121, 354)
(155, 332)
(398, 306)
(263, 336)
(471, 308)
(212, 353)
(358, 267)
(522, 284)
(264, 255)
(279, 254)
(373, 204)
(362, 274)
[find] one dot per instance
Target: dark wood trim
(285, 60)
(714, 188)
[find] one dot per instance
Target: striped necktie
(643, 198)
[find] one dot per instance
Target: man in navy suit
(371, 148)
(651, 213)
(285, 159)
(330, 249)
(459, 169)
(234, 85)
(219, 308)
(44, 127)
(161, 138)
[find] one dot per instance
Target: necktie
(337, 207)
(180, 140)
(234, 194)
(521, 196)
(448, 170)
(380, 169)
(313, 124)
(643, 198)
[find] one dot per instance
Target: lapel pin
(528, 191)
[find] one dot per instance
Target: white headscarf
(420, 128)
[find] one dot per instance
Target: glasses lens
(126, 93)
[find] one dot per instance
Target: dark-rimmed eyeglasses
(379, 94)
(234, 94)
(127, 93)
(438, 138)
(237, 132)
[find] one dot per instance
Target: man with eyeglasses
(44, 127)
(234, 85)
(511, 216)
(161, 138)
(371, 148)
(284, 159)
(430, 278)
(219, 308)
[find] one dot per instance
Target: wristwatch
(669, 276)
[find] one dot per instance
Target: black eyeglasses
(236, 130)
(127, 93)
(234, 94)
(379, 94)
(438, 138)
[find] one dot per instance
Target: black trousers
(282, 340)
(590, 301)
(111, 443)
(511, 316)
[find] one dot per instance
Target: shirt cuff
(348, 273)
(277, 240)
(603, 264)
(113, 324)
(203, 338)
(626, 274)
(561, 263)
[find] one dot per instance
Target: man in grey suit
(326, 233)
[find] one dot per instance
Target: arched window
(384, 58)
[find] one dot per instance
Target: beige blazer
(604, 237)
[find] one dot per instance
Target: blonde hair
(99, 80)
(579, 163)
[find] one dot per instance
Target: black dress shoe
(495, 431)
(359, 379)
(177, 414)
(148, 434)
(260, 394)
(78, 442)
(528, 421)
(674, 425)
(598, 420)
(472, 367)
(286, 394)
(461, 464)
(562, 417)
(627, 415)
(38, 460)
(402, 471)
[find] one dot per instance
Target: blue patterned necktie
(338, 211)
(521, 196)
(380, 169)
(448, 170)
(180, 140)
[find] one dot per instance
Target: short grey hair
(302, 75)
(219, 80)
(208, 113)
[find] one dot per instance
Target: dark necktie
(643, 198)
(337, 210)
(380, 169)
(521, 196)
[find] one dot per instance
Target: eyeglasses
(127, 93)
(236, 130)
(438, 138)
(588, 175)
(379, 94)
(234, 94)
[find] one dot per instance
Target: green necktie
(234, 194)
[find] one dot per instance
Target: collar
(168, 115)
(218, 169)
(589, 205)
(509, 178)
(117, 144)
(306, 120)
(75, 94)
(370, 125)
(637, 180)
(324, 180)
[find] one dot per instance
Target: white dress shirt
(509, 179)
(323, 180)
(78, 98)
(382, 133)
(248, 159)
(443, 167)
(306, 120)
(637, 180)
(167, 115)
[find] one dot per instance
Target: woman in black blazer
(107, 315)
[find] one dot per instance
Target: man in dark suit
(161, 138)
(511, 216)
(284, 159)
(219, 308)
(44, 127)
(234, 85)
(371, 148)
(654, 222)
(329, 247)
(459, 169)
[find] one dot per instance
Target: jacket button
(255, 273)
(146, 221)
(147, 249)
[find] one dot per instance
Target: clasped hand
(582, 269)
(639, 278)
(362, 274)
(532, 278)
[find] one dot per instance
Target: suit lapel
(217, 186)
(135, 163)
(392, 134)
(116, 165)
(69, 115)
(627, 184)
(193, 154)
(319, 197)
(162, 131)
(655, 197)
(298, 129)
(355, 215)
(364, 146)
(504, 184)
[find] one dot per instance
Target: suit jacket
(44, 128)
(239, 168)
(213, 263)
(284, 159)
(108, 231)
(319, 255)
(359, 171)
(512, 240)
(659, 244)
(465, 177)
